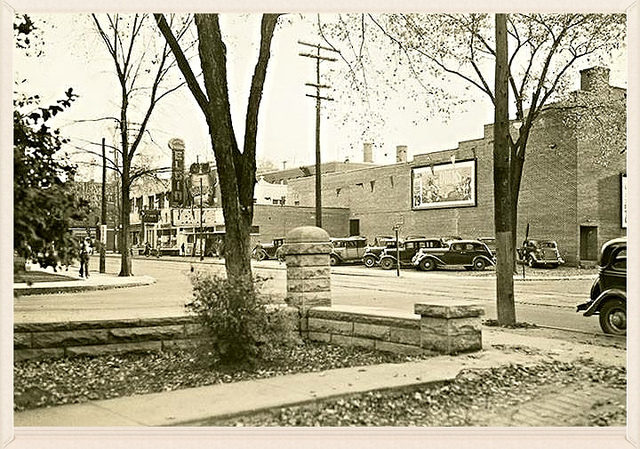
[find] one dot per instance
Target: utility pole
(318, 98)
(103, 217)
(501, 180)
(201, 234)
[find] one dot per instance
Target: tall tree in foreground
(236, 168)
(142, 71)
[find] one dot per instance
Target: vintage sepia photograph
(319, 220)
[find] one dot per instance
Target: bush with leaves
(241, 324)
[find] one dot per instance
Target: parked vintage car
(347, 250)
(608, 297)
(372, 254)
(536, 252)
(271, 250)
(388, 258)
(490, 242)
(471, 254)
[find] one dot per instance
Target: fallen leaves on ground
(73, 380)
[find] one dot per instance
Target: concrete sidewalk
(96, 281)
(197, 406)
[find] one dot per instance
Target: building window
(391, 181)
(373, 184)
(338, 192)
(255, 230)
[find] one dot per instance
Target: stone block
(405, 336)
(319, 336)
(335, 313)
(371, 331)
(451, 344)
(330, 326)
(118, 348)
(21, 340)
(307, 248)
(453, 326)
(344, 340)
(147, 333)
(448, 309)
(37, 354)
(62, 339)
(309, 299)
(309, 273)
(398, 348)
(313, 260)
(308, 285)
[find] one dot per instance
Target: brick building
(570, 191)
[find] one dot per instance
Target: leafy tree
(44, 204)
(236, 168)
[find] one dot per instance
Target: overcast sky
(75, 57)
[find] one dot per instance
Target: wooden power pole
(319, 99)
(501, 180)
(103, 213)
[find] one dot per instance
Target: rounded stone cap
(307, 234)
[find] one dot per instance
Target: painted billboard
(450, 184)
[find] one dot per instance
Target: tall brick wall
(275, 221)
(561, 189)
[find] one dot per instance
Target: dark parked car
(269, 250)
(346, 250)
(471, 254)
(535, 252)
(608, 297)
(407, 251)
(372, 254)
(490, 242)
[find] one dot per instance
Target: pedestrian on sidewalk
(85, 251)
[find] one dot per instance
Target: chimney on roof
(367, 152)
(594, 78)
(401, 153)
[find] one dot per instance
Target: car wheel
(260, 256)
(387, 264)
(613, 317)
(427, 264)
(479, 264)
(369, 262)
(333, 260)
(531, 262)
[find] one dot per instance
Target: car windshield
(548, 244)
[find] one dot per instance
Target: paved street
(543, 302)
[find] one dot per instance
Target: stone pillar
(306, 252)
(450, 327)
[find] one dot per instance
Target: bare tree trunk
(125, 255)
(501, 180)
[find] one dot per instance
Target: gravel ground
(471, 400)
(73, 380)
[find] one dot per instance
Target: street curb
(30, 291)
(367, 274)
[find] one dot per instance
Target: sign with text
(191, 217)
(450, 184)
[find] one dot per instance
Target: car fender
(485, 258)
(431, 256)
(612, 293)
(387, 256)
(338, 256)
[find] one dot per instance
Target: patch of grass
(33, 277)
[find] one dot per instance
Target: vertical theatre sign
(450, 184)
(177, 172)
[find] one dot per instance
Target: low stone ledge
(99, 324)
(458, 309)
(330, 326)
(147, 333)
(37, 354)
(22, 341)
(366, 316)
(398, 348)
(319, 336)
(69, 338)
(375, 331)
(344, 340)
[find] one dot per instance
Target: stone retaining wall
(44, 340)
(348, 326)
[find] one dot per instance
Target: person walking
(85, 251)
